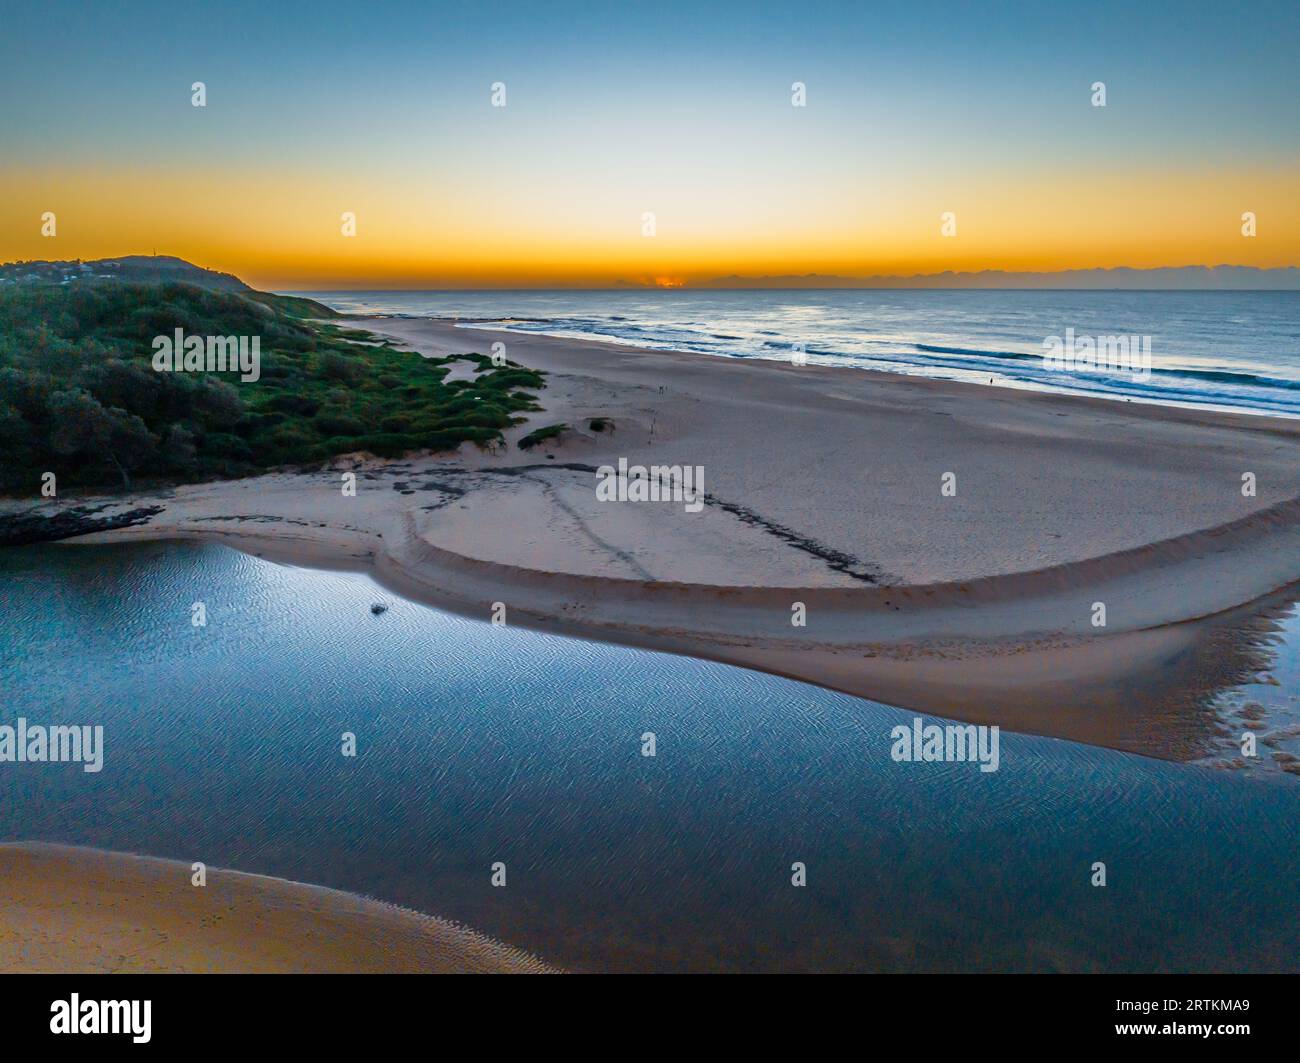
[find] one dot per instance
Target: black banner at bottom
(352, 1011)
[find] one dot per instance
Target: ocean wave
(973, 352)
(1217, 376)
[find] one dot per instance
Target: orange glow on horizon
(281, 230)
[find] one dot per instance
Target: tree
(82, 429)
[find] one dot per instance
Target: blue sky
(620, 108)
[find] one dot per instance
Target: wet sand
(70, 909)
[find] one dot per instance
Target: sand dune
(824, 488)
(84, 910)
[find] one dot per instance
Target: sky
(614, 112)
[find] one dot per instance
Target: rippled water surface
(479, 744)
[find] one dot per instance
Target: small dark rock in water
(378, 608)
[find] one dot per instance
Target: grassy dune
(79, 396)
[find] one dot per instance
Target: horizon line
(1103, 278)
(766, 288)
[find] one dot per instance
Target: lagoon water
(479, 744)
(1237, 350)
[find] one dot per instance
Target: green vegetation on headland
(139, 269)
(80, 397)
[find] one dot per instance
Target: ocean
(1221, 350)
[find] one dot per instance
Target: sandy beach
(74, 909)
(823, 486)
